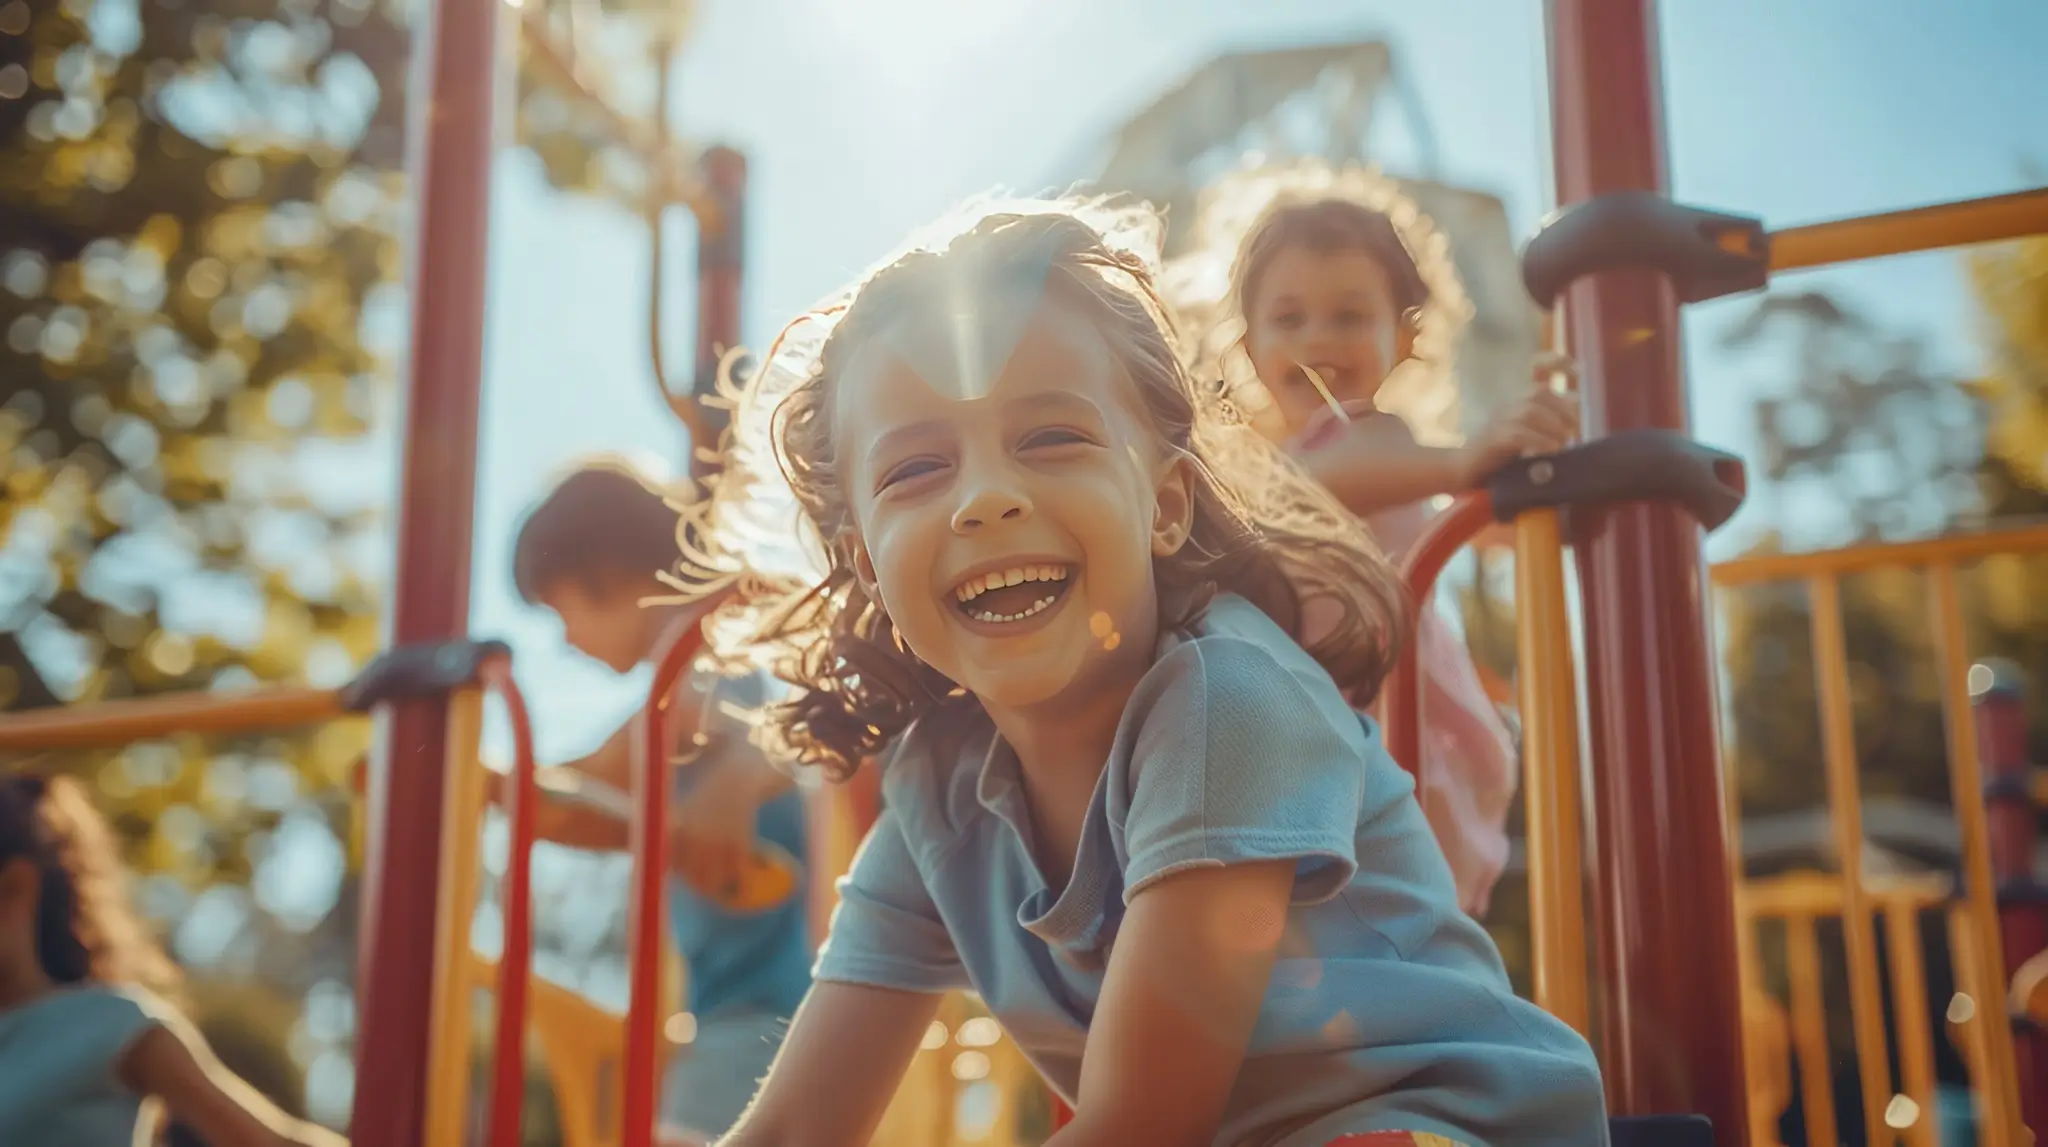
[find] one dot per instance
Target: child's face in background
(1334, 312)
(1007, 495)
(607, 625)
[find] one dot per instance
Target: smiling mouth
(1014, 594)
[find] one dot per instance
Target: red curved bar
(515, 965)
(650, 866)
(1447, 533)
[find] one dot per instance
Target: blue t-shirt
(59, 1067)
(743, 962)
(1388, 1009)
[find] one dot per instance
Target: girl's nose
(990, 501)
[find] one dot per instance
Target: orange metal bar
(515, 966)
(1958, 548)
(1845, 809)
(1550, 769)
(1447, 533)
(1989, 220)
(650, 864)
(455, 980)
(107, 723)
(1916, 1035)
(1968, 1029)
(1997, 1078)
(1810, 1030)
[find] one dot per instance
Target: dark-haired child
(591, 552)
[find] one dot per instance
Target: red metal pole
(721, 250)
(650, 865)
(1664, 903)
(452, 95)
(1447, 533)
(2012, 828)
(508, 1064)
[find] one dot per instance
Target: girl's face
(1332, 311)
(1008, 497)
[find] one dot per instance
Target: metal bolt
(1541, 473)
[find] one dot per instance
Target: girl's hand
(1544, 422)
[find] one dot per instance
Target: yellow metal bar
(1845, 811)
(1810, 893)
(581, 1045)
(1916, 1035)
(1958, 548)
(1550, 764)
(1967, 1029)
(1759, 1055)
(107, 723)
(1972, 221)
(1810, 1030)
(2000, 1077)
(451, 1046)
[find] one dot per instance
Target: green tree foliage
(201, 316)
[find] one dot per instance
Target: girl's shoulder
(930, 772)
(91, 1002)
(1235, 673)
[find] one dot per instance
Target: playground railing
(1978, 1015)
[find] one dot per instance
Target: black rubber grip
(420, 671)
(1707, 254)
(1632, 466)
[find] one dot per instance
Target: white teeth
(1017, 575)
(1038, 606)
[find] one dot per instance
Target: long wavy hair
(85, 929)
(779, 521)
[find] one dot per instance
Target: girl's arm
(1375, 464)
(1190, 968)
(177, 1067)
(836, 1073)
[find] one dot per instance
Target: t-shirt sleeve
(886, 932)
(1241, 758)
(73, 1042)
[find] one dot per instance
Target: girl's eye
(1351, 318)
(1051, 436)
(905, 471)
(1289, 321)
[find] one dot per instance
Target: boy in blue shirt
(590, 553)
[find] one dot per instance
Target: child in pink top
(1333, 301)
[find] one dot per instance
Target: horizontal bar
(99, 724)
(1991, 220)
(1853, 559)
(1816, 894)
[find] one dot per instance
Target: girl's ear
(864, 568)
(1173, 507)
(1404, 334)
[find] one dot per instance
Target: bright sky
(861, 118)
